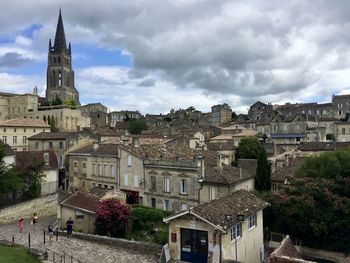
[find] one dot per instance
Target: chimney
(200, 162)
(219, 163)
(136, 142)
(95, 146)
(286, 160)
(240, 171)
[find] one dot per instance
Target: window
(126, 179)
(129, 160)
(212, 192)
(112, 171)
(75, 164)
(298, 127)
(167, 205)
(251, 221)
(105, 170)
(14, 140)
(4, 139)
(100, 185)
(61, 161)
(136, 181)
(166, 185)
(297, 139)
(100, 170)
(274, 187)
(183, 186)
(236, 229)
(61, 146)
(14, 129)
(24, 139)
(94, 169)
(84, 165)
(183, 206)
(79, 215)
(343, 131)
(153, 183)
(4, 129)
(36, 145)
(24, 130)
(50, 145)
(153, 202)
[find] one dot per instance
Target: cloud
(13, 59)
(199, 51)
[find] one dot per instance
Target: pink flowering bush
(112, 218)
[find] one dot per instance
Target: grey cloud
(147, 83)
(12, 59)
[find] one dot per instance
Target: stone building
(260, 111)
(92, 166)
(97, 113)
(220, 114)
(15, 132)
(60, 74)
(121, 116)
(228, 229)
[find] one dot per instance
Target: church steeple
(60, 38)
(60, 73)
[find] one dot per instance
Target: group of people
(50, 231)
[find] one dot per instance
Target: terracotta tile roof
(50, 135)
(7, 149)
(30, 159)
(25, 123)
(239, 202)
(6, 94)
(286, 253)
(169, 152)
(322, 146)
(107, 132)
(81, 201)
(287, 171)
(102, 149)
(228, 175)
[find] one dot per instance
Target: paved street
(81, 250)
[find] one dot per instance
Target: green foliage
(56, 101)
(10, 181)
(263, 172)
(137, 126)
(49, 120)
(145, 217)
(248, 148)
(53, 122)
(16, 254)
(70, 102)
(316, 207)
(44, 118)
(33, 178)
(233, 115)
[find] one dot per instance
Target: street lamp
(239, 219)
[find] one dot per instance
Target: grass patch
(16, 254)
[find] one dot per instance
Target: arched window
(54, 78)
(59, 78)
(59, 60)
(54, 60)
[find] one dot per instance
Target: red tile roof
(30, 159)
(50, 136)
(81, 201)
(25, 123)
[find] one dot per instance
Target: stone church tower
(60, 74)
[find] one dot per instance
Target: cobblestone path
(81, 250)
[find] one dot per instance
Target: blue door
(194, 245)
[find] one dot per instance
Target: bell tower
(60, 74)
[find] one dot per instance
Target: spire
(60, 38)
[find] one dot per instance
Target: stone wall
(43, 206)
(144, 247)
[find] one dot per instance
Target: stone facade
(220, 114)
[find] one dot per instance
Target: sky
(158, 55)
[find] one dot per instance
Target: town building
(221, 114)
(228, 228)
(122, 116)
(29, 160)
(15, 132)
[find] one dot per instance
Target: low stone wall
(143, 247)
(43, 206)
(323, 254)
(38, 253)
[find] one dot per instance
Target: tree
(248, 148)
(112, 218)
(44, 118)
(10, 181)
(56, 101)
(137, 126)
(53, 122)
(33, 178)
(233, 115)
(263, 172)
(48, 120)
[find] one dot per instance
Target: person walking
(35, 220)
(21, 225)
(50, 232)
(69, 224)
